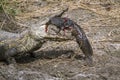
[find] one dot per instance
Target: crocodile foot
(10, 60)
(9, 56)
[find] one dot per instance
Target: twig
(107, 41)
(11, 18)
(2, 24)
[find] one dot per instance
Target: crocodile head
(38, 30)
(39, 33)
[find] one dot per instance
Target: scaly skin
(12, 44)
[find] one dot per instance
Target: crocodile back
(7, 35)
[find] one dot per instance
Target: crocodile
(28, 41)
(13, 44)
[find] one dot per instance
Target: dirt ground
(101, 23)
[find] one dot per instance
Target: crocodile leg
(9, 59)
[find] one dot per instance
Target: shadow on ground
(48, 55)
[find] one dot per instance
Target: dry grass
(29, 9)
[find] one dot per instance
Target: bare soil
(101, 23)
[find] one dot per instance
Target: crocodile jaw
(39, 34)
